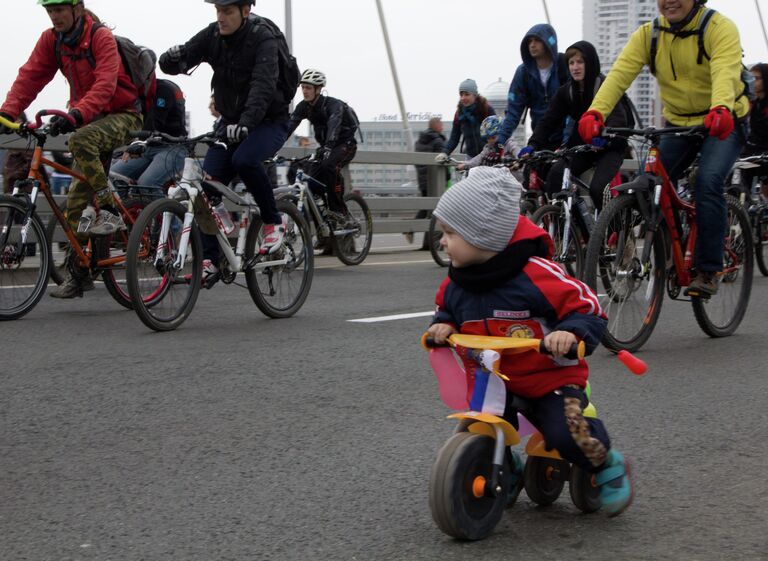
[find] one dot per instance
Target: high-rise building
(608, 25)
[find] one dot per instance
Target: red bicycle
(644, 242)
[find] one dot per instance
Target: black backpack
(289, 77)
(139, 63)
(656, 29)
(633, 117)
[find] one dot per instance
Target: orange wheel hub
(478, 487)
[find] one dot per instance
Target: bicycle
(566, 217)
(755, 204)
(24, 277)
(165, 278)
(471, 483)
(644, 242)
(350, 238)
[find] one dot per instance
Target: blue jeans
(246, 160)
(716, 160)
(155, 167)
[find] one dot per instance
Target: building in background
(608, 25)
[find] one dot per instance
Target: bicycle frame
(570, 186)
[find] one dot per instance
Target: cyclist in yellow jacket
(697, 64)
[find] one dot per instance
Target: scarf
(72, 38)
(467, 113)
(500, 268)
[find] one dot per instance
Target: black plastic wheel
(24, 269)
(721, 314)
(456, 509)
(280, 290)
(352, 242)
(584, 491)
(552, 219)
(544, 479)
(433, 239)
(630, 292)
(163, 295)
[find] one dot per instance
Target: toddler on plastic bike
(501, 283)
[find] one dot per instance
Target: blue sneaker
(516, 465)
(616, 487)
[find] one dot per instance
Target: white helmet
(313, 76)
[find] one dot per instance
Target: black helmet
(231, 2)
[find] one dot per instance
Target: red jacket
(107, 88)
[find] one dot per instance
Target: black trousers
(326, 171)
(606, 164)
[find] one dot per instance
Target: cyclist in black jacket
(243, 52)
(335, 125)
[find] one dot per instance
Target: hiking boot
(73, 286)
(273, 238)
(106, 224)
(703, 285)
(616, 486)
(210, 273)
(516, 479)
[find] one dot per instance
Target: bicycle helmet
(231, 2)
(313, 77)
(58, 2)
(491, 126)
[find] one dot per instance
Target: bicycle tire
(551, 219)
(613, 258)
(163, 297)
(346, 247)
(57, 270)
(433, 239)
(761, 243)
(262, 279)
(721, 314)
(21, 287)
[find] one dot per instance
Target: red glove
(719, 121)
(590, 125)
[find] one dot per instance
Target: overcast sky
(437, 43)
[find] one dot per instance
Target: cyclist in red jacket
(103, 103)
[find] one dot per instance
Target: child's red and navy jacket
(521, 293)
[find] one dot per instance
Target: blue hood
(544, 32)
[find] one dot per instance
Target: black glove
(494, 156)
(3, 128)
(236, 133)
(61, 125)
(136, 150)
(325, 152)
(175, 53)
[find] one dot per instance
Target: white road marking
(392, 318)
(364, 264)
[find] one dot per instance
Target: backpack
(633, 117)
(656, 29)
(288, 79)
(139, 63)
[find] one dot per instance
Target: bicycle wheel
(353, 242)
(163, 293)
(280, 289)
(721, 314)
(24, 268)
(552, 219)
(761, 240)
(54, 231)
(435, 249)
(633, 291)
(115, 248)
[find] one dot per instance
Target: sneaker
(210, 273)
(273, 238)
(616, 486)
(106, 224)
(703, 285)
(516, 483)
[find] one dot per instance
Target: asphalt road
(311, 438)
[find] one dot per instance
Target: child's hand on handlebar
(559, 343)
(440, 332)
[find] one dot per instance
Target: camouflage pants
(90, 146)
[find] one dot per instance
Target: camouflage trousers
(92, 145)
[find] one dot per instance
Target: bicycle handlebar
(206, 138)
(653, 132)
(21, 128)
(576, 352)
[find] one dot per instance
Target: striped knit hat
(483, 208)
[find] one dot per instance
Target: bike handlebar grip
(634, 364)
(141, 135)
(427, 342)
(577, 351)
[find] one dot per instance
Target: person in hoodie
(572, 100)
(501, 283)
(757, 142)
(535, 83)
(470, 112)
(103, 108)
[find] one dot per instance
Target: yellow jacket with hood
(686, 87)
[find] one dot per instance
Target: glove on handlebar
(590, 125)
(719, 121)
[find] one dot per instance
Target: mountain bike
(350, 236)
(25, 249)
(644, 242)
(165, 278)
(755, 203)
